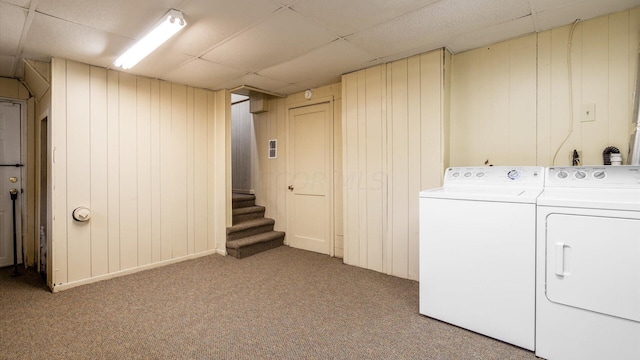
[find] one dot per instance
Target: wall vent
(273, 149)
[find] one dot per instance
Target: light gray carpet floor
(280, 304)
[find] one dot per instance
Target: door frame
(23, 173)
(331, 176)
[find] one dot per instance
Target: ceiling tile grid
(282, 46)
(283, 36)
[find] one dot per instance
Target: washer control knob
(581, 174)
(480, 174)
(599, 175)
(455, 174)
(562, 175)
(513, 174)
(467, 174)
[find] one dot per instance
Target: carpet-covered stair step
(249, 228)
(248, 213)
(242, 200)
(254, 244)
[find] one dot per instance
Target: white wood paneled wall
(510, 101)
(269, 176)
(493, 96)
(604, 58)
(148, 158)
(394, 142)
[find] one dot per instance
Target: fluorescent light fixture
(170, 24)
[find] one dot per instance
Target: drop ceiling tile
(22, 3)
(584, 10)
(210, 22)
(6, 65)
(12, 20)
(436, 23)
(491, 35)
(254, 80)
(283, 36)
(51, 37)
(335, 58)
(347, 17)
(203, 74)
(122, 17)
(542, 5)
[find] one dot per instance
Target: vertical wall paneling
(414, 147)
(59, 239)
(149, 158)
(604, 57)
(620, 80)
(350, 166)
(399, 170)
(143, 141)
(99, 173)
(166, 207)
(128, 171)
(361, 170)
(155, 159)
(179, 169)
(393, 147)
(78, 169)
(280, 182)
(113, 169)
(212, 159)
(493, 116)
(191, 241)
(223, 161)
(375, 169)
(595, 87)
(200, 171)
(337, 181)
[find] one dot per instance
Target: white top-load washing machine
(477, 251)
(588, 264)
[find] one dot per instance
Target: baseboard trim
(69, 285)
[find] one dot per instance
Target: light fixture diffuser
(170, 24)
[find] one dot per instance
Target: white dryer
(477, 251)
(588, 264)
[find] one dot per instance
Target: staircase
(251, 232)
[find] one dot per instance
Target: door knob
(13, 179)
(290, 187)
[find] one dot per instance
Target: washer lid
(610, 199)
(485, 193)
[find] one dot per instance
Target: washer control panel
(495, 175)
(593, 176)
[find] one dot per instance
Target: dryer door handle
(559, 268)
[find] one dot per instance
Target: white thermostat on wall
(308, 94)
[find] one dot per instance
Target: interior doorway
(241, 144)
(43, 194)
(11, 189)
(310, 169)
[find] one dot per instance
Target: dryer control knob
(562, 175)
(581, 174)
(599, 175)
(513, 174)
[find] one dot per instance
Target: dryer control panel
(495, 175)
(593, 176)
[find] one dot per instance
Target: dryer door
(593, 263)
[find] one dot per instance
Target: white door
(310, 165)
(10, 178)
(592, 263)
